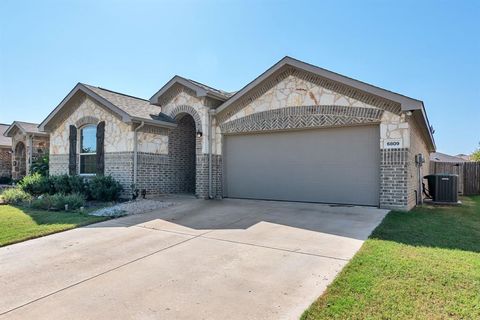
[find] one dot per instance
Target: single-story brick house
(5, 153)
(297, 132)
(28, 144)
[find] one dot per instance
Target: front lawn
(20, 223)
(422, 264)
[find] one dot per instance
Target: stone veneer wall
(5, 162)
(84, 110)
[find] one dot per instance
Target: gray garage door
(339, 165)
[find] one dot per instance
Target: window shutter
(100, 148)
(72, 156)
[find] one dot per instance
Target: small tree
(476, 154)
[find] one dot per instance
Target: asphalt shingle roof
(225, 94)
(442, 157)
(133, 106)
(4, 141)
(28, 126)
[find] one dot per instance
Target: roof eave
(158, 123)
(40, 133)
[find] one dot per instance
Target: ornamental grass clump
(15, 196)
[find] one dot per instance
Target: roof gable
(127, 108)
(23, 127)
(354, 86)
(200, 90)
(406, 102)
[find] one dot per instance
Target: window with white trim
(88, 149)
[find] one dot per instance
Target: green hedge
(101, 188)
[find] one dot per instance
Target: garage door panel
(338, 165)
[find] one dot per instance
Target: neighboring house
(5, 153)
(465, 157)
(443, 157)
(28, 144)
(297, 133)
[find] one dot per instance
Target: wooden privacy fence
(468, 174)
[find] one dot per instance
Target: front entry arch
(182, 146)
(20, 161)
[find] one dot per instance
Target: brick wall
(202, 176)
(393, 178)
(58, 164)
(119, 165)
(417, 145)
(182, 151)
(5, 162)
(153, 173)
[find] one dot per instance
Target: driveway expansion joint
(274, 248)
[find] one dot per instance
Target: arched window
(88, 149)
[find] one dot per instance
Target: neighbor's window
(88, 149)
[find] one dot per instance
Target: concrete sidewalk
(229, 259)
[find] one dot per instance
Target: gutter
(135, 151)
(159, 123)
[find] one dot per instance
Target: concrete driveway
(229, 259)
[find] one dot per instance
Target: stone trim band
(303, 117)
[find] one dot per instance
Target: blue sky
(429, 50)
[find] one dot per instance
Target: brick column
(394, 178)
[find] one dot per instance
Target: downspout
(420, 178)
(210, 141)
(30, 152)
(135, 152)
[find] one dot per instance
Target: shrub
(60, 183)
(42, 202)
(58, 201)
(15, 195)
(36, 184)
(104, 188)
(77, 184)
(74, 201)
(40, 166)
(68, 184)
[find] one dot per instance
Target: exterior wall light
(199, 134)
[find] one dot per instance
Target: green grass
(20, 223)
(422, 264)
